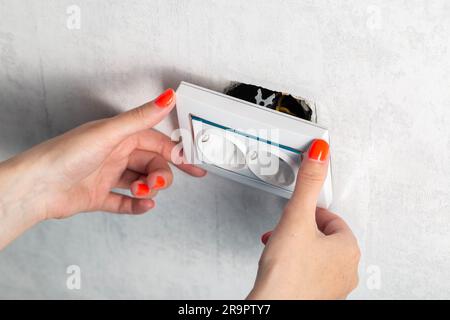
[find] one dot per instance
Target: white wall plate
(245, 142)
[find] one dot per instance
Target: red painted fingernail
(142, 190)
(159, 182)
(318, 150)
(165, 98)
(265, 237)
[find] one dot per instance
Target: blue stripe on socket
(246, 135)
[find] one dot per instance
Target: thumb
(310, 178)
(143, 117)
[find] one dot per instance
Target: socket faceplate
(245, 142)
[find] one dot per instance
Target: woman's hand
(312, 253)
(76, 171)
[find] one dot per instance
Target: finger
(155, 141)
(140, 188)
(141, 161)
(130, 180)
(127, 178)
(118, 203)
(143, 117)
(160, 175)
(187, 167)
(156, 174)
(310, 178)
(154, 167)
(329, 223)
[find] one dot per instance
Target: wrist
(19, 209)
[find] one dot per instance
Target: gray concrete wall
(380, 70)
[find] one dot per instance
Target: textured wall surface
(379, 69)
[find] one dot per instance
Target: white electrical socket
(245, 142)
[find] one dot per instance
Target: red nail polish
(142, 190)
(159, 182)
(265, 237)
(318, 150)
(165, 98)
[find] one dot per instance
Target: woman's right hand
(312, 253)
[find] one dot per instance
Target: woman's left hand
(77, 171)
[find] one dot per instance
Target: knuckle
(311, 175)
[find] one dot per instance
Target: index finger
(152, 140)
(144, 117)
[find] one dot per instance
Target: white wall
(380, 69)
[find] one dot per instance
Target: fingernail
(159, 182)
(165, 98)
(142, 189)
(265, 237)
(318, 150)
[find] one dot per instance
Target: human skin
(75, 172)
(311, 254)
